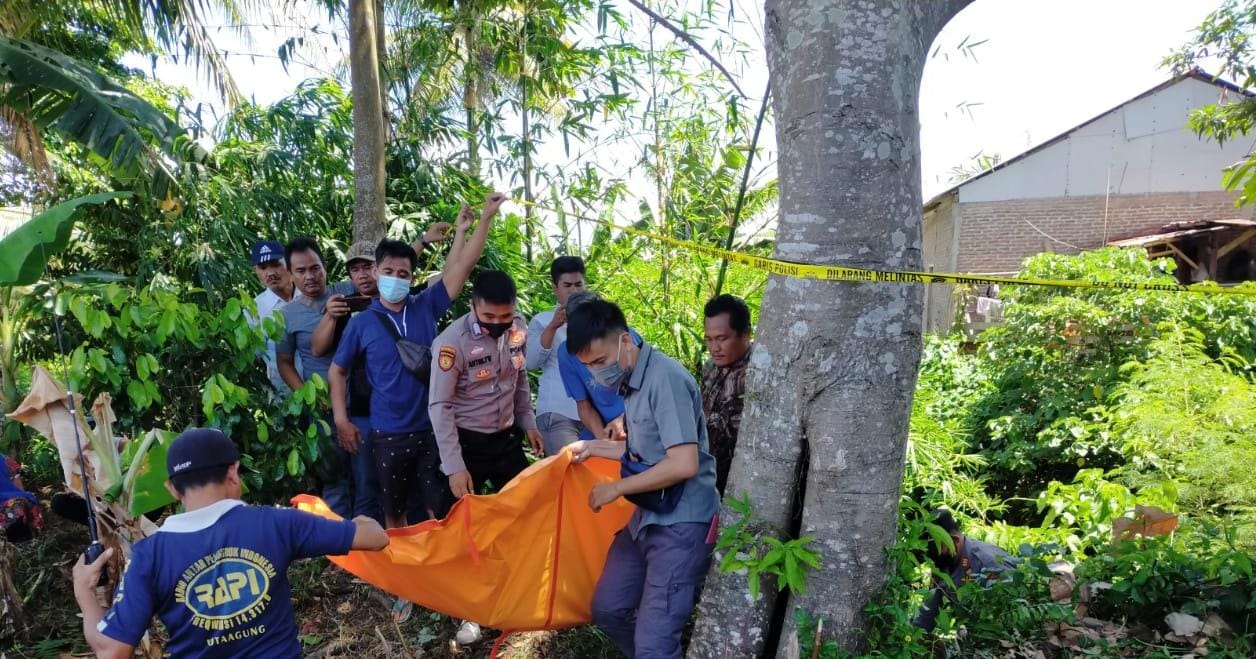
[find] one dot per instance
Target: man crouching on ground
(215, 574)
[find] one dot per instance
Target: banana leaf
(147, 475)
(132, 138)
(24, 252)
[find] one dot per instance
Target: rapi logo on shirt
(225, 589)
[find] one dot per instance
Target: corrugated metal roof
(1167, 237)
(1176, 230)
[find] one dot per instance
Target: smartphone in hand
(357, 302)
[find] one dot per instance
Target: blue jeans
(557, 431)
(356, 492)
(649, 586)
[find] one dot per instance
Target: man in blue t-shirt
(600, 409)
(215, 574)
(406, 456)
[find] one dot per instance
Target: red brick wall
(995, 236)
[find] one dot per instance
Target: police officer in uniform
(480, 390)
(480, 394)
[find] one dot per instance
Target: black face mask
(494, 330)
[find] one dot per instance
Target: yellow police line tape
(842, 273)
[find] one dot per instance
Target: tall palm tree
(368, 121)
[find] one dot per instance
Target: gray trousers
(557, 431)
(649, 586)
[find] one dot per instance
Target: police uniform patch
(446, 358)
(517, 337)
(518, 361)
(483, 374)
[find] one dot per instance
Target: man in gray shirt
(970, 559)
(666, 470)
(318, 304)
(304, 313)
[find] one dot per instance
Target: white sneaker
(468, 633)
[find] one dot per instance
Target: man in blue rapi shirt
(216, 574)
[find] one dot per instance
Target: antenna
(95, 548)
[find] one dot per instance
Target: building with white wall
(1128, 172)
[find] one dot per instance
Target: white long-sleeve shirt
(267, 304)
(552, 398)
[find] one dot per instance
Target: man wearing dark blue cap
(272, 272)
(215, 574)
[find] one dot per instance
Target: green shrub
(1187, 416)
(170, 361)
(1200, 571)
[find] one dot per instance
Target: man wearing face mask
(480, 394)
(601, 410)
(406, 457)
(480, 390)
(360, 261)
(657, 564)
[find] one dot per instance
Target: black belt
(477, 436)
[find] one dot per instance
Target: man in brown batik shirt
(728, 338)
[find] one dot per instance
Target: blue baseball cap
(197, 449)
(265, 251)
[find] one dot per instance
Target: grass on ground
(337, 615)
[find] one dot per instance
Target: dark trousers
(649, 586)
(352, 489)
(494, 457)
(408, 465)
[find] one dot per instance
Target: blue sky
(1042, 67)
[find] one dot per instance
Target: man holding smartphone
(360, 262)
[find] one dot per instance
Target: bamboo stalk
(745, 182)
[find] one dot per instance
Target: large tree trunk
(368, 123)
(835, 365)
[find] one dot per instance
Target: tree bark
(381, 60)
(471, 92)
(527, 168)
(369, 176)
(834, 367)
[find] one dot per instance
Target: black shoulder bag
(656, 501)
(415, 357)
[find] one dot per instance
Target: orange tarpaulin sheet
(526, 558)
